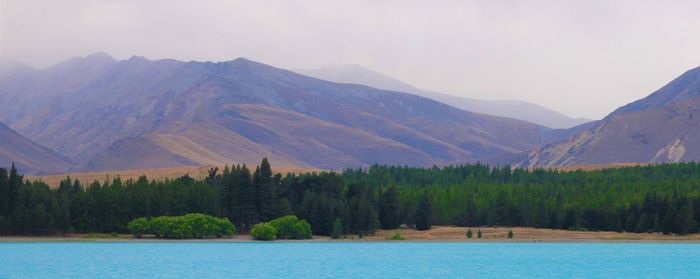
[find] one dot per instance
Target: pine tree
(423, 214)
(685, 222)
(246, 198)
(337, 232)
(510, 233)
(389, 215)
(469, 233)
(265, 192)
(478, 234)
(13, 184)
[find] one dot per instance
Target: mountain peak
(100, 55)
(684, 87)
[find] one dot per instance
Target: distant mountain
(352, 73)
(106, 114)
(29, 157)
(662, 127)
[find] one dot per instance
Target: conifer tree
(265, 192)
(337, 232)
(389, 215)
(685, 222)
(469, 233)
(423, 214)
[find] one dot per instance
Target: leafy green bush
(193, 225)
(291, 227)
(263, 231)
(139, 227)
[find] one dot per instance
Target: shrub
(263, 231)
(139, 227)
(469, 233)
(193, 225)
(478, 234)
(291, 227)
(302, 230)
(510, 234)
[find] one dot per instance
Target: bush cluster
(286, 227)
(291, 227)
(193, 225)
(263, 231)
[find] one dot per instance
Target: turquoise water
(348, 260)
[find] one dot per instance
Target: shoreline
(434, 235)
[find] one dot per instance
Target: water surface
(349, 260)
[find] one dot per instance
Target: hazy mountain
(662, 127)
(29, 157)
(136, 113)
(351, 73)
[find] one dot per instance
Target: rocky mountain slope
(526, 111)
(29, 157)
(105, 114)
(662, 127)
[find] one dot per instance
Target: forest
(655, 198)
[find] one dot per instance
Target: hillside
(106, 114)
(352, 73)
(662, 127)
(29, 157)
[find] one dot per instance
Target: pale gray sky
(582, 58)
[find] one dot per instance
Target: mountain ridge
(660, 128)
(119, 114)
(530, 112)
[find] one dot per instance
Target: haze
(582, 58)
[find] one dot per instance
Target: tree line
(655, 198)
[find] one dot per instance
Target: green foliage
(139, 227)
(510, 234)
(396, 236)
(263, 231)
(290, 227)
(389, 214)
(193, 225)
(423, 214)
(469, 233)
(478, 234)
(657, 198)
(337, 232)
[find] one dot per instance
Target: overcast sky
(582, 58)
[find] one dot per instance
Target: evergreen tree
(389, 217)
(510, 233)
(265, 192)
(337, 232)
(469, 233)
(478, 234)
(685, 222)
(423, 214)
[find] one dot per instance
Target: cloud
(583, 58)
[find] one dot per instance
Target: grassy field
(197, 172)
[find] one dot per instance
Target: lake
(348, 260)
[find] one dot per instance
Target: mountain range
(660, 128)
(96, 113)
(27, 155)
(534, 113)
(105, 114)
